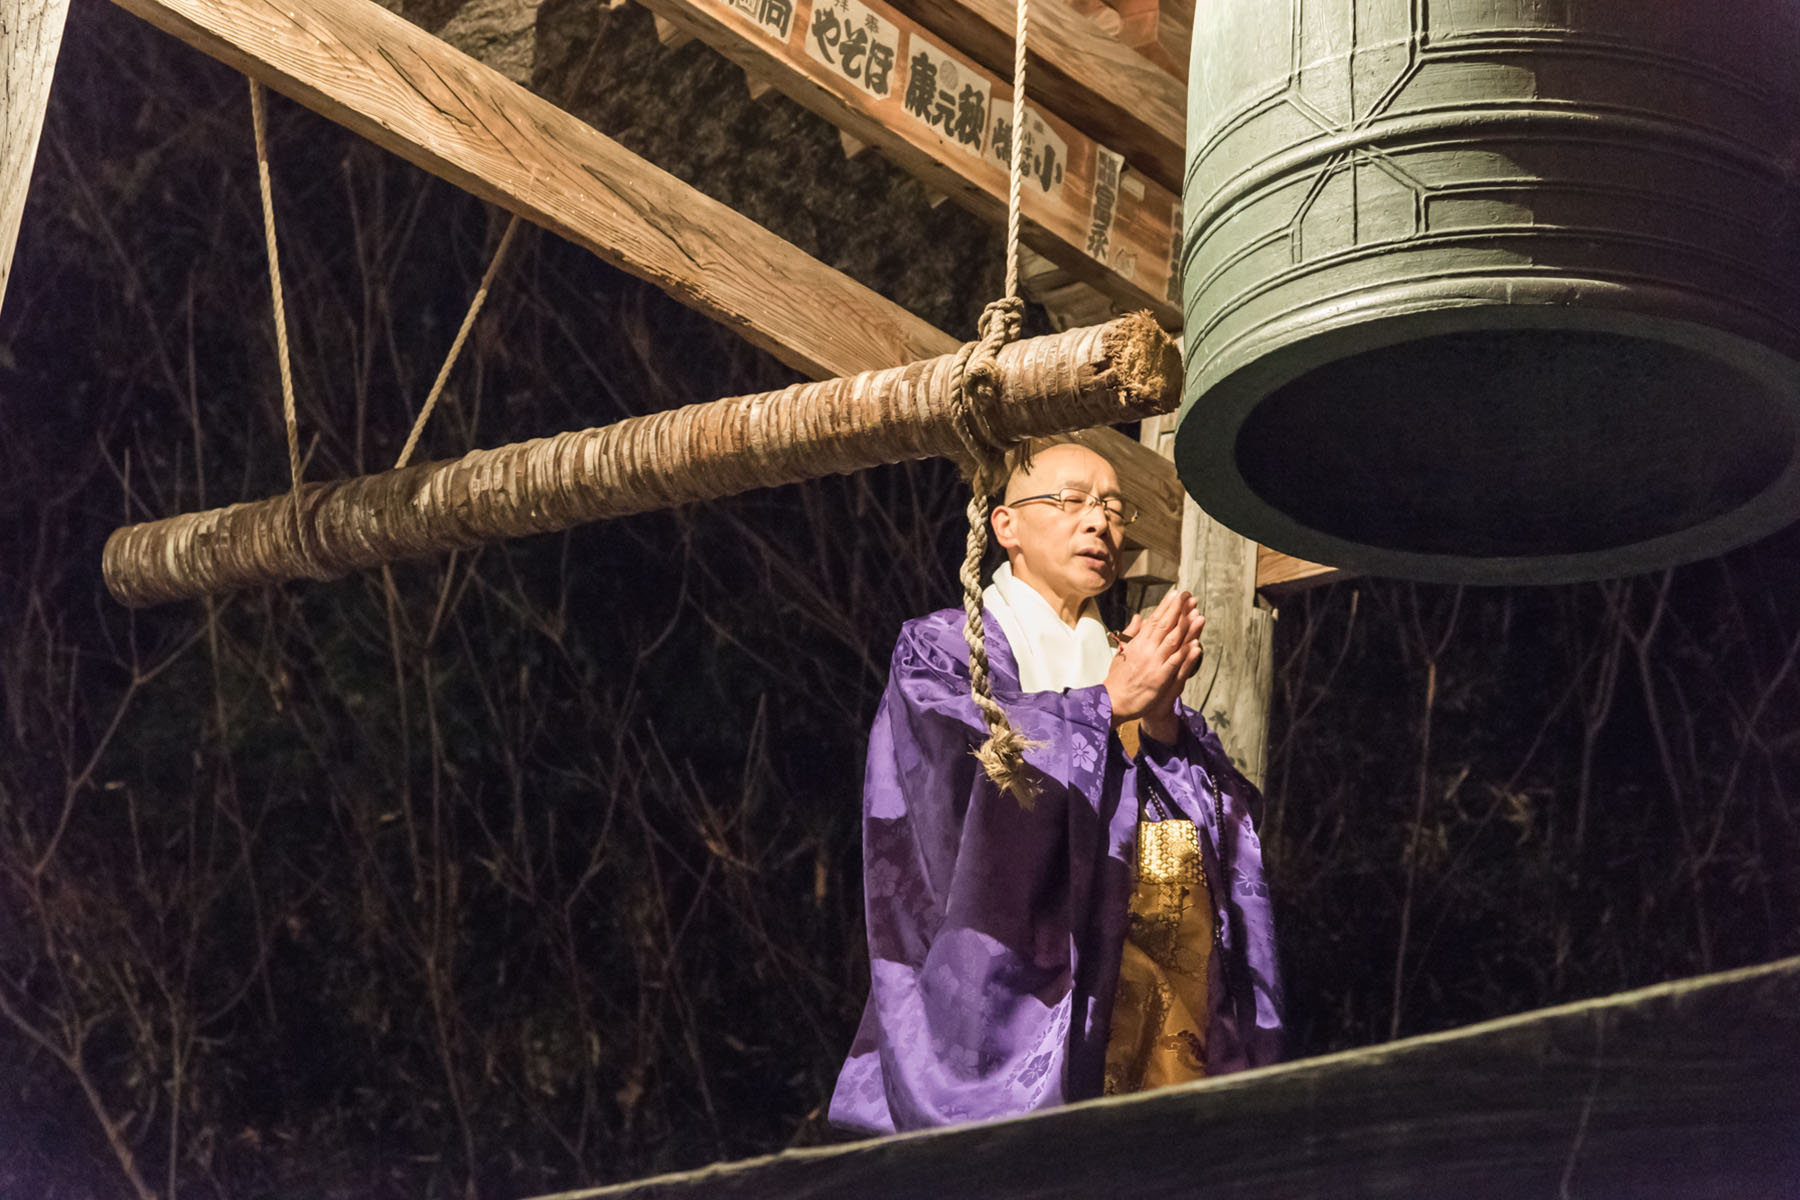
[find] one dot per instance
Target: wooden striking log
(1120, 371)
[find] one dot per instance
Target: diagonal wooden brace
(1120, 371)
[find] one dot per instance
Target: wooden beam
(670, 35)
(1083, 74)
(1160, 30)
(1670, 1092)
(405, 90)
(1281, 575)
(30, 35)
(1235, 683)
(1069, 302)
(877, 75)
(758, 86)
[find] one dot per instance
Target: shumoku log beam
(1121, 371)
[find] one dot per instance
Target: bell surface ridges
(1494, 291)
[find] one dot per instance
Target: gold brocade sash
(1160, 1009)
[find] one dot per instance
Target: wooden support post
(1233, 687)
(1116, 372)
(1149, 573)
(30, 35)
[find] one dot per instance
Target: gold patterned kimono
(1160, 1009)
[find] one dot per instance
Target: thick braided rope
(259, 122)
(456, 344)
(1016, 173)
(974, 387)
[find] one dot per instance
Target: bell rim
(1229, 382)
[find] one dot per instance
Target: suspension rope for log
(259, 123)
(311, 562)
(456, 344)
(975, 388)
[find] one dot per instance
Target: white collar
(1052, 656)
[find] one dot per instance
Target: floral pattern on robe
(995, 930)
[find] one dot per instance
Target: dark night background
(538, 867)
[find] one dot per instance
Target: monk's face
(1064, 546)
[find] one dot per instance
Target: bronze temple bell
(1494, 291)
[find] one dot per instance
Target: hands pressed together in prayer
(1160, 653)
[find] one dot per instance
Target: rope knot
(975, 388)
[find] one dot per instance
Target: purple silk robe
(995, 931)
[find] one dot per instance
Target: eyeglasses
(1074, 501)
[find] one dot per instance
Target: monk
(1114, 934)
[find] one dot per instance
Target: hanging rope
(1016, 180)
(259, 122)
(975, 384)
(456, 345)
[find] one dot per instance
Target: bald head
(1057, 541)
(1065, 464)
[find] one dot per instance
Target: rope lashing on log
(1120, 371)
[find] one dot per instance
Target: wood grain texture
(385, 79)
(1683, 1091)
(1115, 372)
(30, 36)
(1085, 75)
(1160, 30)
(1281, 575)
(1233, 687)
(1135, 261)
(409, 92)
